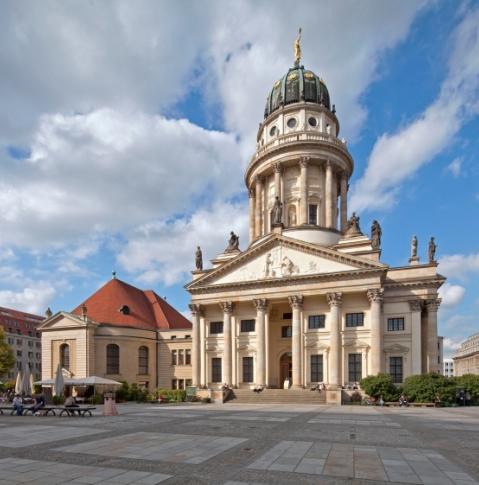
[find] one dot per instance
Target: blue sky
(125, 130)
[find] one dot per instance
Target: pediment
(280, 257)
(63, 320)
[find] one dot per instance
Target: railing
(302, 136)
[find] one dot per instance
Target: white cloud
(450, 346)
(459, 266)
(33, 298)
(451, 295)
(110, 170)
(165, 251)
(396, 157)
(455, 167)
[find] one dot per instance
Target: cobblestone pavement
(238, 444)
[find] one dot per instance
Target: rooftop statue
(432, 250)
(297, 49)
(352, 228)
(277, 212)
(414, 247)
(376, 234)
(199, 259)
(233, 243)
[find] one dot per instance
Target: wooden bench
(7, 408)
(44, 411)
(76, 411)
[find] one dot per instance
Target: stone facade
(309, 300)
(466, 359)
(21, 333)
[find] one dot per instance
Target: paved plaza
(238, 444)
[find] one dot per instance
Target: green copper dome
(298, 84)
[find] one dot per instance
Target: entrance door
(285, 368)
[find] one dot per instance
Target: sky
(125, 129)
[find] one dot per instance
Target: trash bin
(109, 405)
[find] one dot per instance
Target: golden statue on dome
(297, 49)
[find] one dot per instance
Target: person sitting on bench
(70, 402)
(258, 389)
(18, 404)
(39, 404)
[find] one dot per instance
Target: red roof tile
(146, 309)
(15, 321)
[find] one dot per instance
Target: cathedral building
(309, 300)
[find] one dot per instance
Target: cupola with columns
(300, 159)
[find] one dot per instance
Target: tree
(380, 385)
(470, 383)
(7, 359)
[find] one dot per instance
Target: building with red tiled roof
(123, 333)
(22, 334)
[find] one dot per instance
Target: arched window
(112, 359)
(143, 360)
(65, 356)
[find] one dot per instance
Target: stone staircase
(278, 396)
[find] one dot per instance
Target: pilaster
(335, 348)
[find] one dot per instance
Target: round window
(291, 123)
(312, 121)
(272, 132)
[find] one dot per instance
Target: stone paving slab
(243, 417)
(34, 434)
(179, 448)
(405, 465)
(355, 422)
(15, 471)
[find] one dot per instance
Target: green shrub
(123, 392)
(380, 385)
(171, 395)
(429, 388)
(470, 383)
(57, 400)
(95, 399)
(206, 400)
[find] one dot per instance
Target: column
(261, 307)
(344, 201)
(335, 348)
(322, 188)
(196, 342)
(375, 297)
(203, 363)
(277, 179)
(258, 216)
(303, 190)
(415, 308)
(432, 306)
(226, 361)
(252, 221)
(329, 195)
(296, 302)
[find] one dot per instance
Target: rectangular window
(216, 327)
(19, 353)
(180, 357)
(188, 382)
(354, 319)
(286, 331)
(317, 368)
(30, 343)
(181, 383)
(174, 383)
(395, 369)
(313, 214)
(19, 341)
(247, 325)
(395, 324)
(216, 369)
(247, 369)
(355, 367)
(287, 316)
(316, 321)
(174, 357)
(187, 357)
